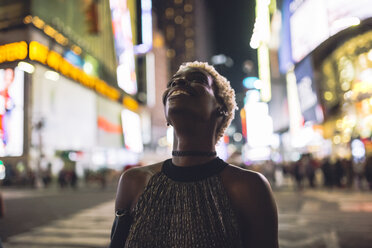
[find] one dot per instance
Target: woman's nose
(179, 81)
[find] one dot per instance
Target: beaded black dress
(185, 207)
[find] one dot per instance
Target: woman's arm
(130, 187)
(252, 197)
(261, 215)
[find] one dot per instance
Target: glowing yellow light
(328, 96)
(13, 51)
(178, 19)
(345, 86)
(171, 53)
(339, 124)
(336, 139)
(264, 72)
(54, 60)
(50, 31)
(38, 22)
(41, 53)
(61, 39)
(169, 13)
(189, 43)
(158, 40)
(38, 52)
(130, 103)
(345, 138)
(27, 19)
(187, 7)
(76, 49)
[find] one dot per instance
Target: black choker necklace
(193, 153)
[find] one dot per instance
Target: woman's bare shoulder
(132, 183)
(246, 187)
(239, 177)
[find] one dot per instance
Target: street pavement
(87, 228)
(57, 218)
(308, 218)
(325, 219)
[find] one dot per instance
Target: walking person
(195, 199)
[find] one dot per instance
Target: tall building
(60, 100)
(185, 25)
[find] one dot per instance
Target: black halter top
(193, 173)
(185, 207)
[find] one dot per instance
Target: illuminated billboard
(332, 16)
(123, 38)
(11, 111)
(131, 123)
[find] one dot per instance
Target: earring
(221, 112)
(168, 124)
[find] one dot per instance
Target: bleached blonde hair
(224, 92)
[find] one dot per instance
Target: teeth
(179, 92)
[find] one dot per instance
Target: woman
(195, 199)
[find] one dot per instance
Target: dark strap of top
(193, 173)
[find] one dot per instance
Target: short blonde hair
(225, 92)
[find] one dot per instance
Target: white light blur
(237, 137)
(261, 30)
(98, 158)
(259, 124)
(258, 153)
(252, 96)
(88, 68)
(219, 59)
(345, 23)
(2, 171)
(51, 75)
(146, 23)
(141, 48)
(132, 131)
(150, 79)
(170, 135)
(124, 74)
(370, 55)
(275, 141)
(357, 149)
(258, 84)
(73, 156)
(27, 67)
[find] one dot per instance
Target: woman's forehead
(188, 70)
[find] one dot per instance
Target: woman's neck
(193, 143)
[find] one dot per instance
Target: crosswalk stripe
(87, 228)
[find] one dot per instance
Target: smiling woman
(195, 199)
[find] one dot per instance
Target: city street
(329, 219)
(57, 218)
(83, 218)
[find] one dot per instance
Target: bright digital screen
(121, 26)
(332, 16)
(11, 112)
(308, 32)
(132, 131)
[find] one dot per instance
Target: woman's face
(190, 91)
